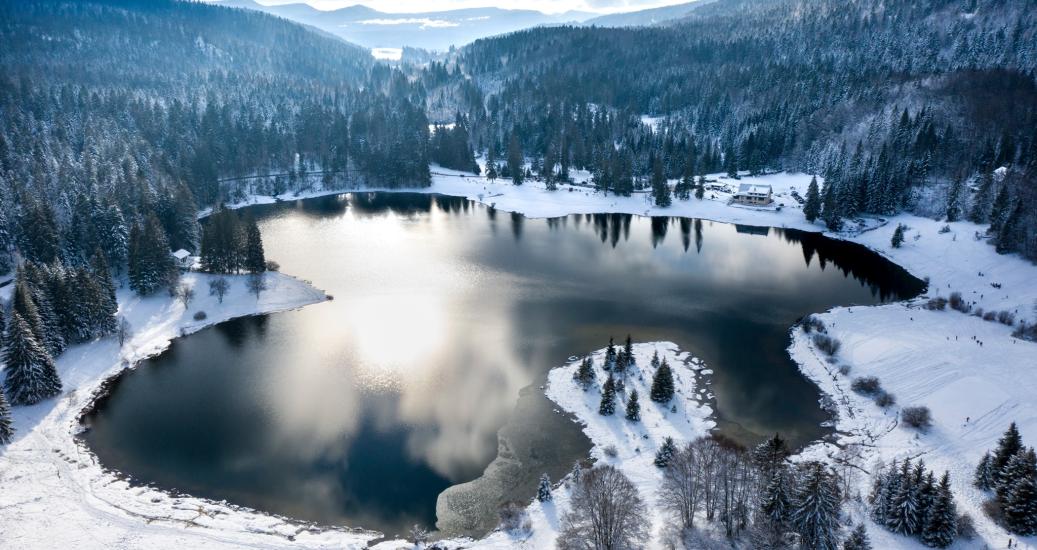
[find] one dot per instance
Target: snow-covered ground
(54, 495)
(635, 443)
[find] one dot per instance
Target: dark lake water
(362, 410)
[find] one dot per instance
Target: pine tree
(984, 477)
(1007, 447)
(1022, 465)
(830, 211)
(628, 353)
(941, 522)
(608, 398)
(771, 454)
(544, 489)
(903, 507)
(660, 188)
(255, 260)
(633, 408)
(1020, 508)
(700, 189)
(1007, 238)
(954, 200)
(1000, 210)
(665, 453)
(812, 206)
(6, 429)
(584, 376)
(858, 539)
(610, 356)
(898, 236)
(516, 165)
(662, 384)
(815, 508)
(29, 372)
(774, 502)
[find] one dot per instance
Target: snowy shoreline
(83, 506)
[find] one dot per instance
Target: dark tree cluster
(906, 106)
(231, 244)
(908, 500)
(451, 147)
(1010, 471)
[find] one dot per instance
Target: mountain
(644, 18)
(428, 30)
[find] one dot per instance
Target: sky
(547, 6)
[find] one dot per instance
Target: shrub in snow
(917, 417)
(988, 316)
(938, 303)
(200, 316)
(866, 385)
(611, 451)
(844, 369)
(885, 399)
(1006, 318)
(959, 303)
(812, 324)
(272, 266)
(828, 345)
(513, 518)
(966, 527)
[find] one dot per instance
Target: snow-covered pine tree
(771, 454)
(255, 260)
(814, 512)
(941, 523)
(884, 487)
(6, 429)
(984, 477)
(32, 304)
(628, 353)
(29, 372)
(1008, 237)
(660, 188)
(610, 356)
(903, 509)
(1009, 445)
(544, 489)
(655, 359)
(608, 398)
(858, 539)
(812, 204)
(898, 236)
(774, 502)
(665, 453)
(1020, 508)
(662, 384)
(954, 200)
(1000, 210)
(633, 408)
(1022, 465)
(584, 376)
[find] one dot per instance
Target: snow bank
(55, 494)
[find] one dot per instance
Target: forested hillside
(116, 111)
(900, 105)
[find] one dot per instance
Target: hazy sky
(549, 6)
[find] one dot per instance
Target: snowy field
(55, 495)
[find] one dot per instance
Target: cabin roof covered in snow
(753, 189)
(181, 254)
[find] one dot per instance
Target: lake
(446, 317)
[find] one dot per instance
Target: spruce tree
(1020, 507)
(1007, 238)
(771, 454)
(903, 507)
(633, 408)
(255, 260)
(584, 376)
(830, 211)
(774, 502)
(516, 163)
(6, 429)
(544, 489)
(608, 398)
(1022, 465)
(1007, 447)
(610, 356)
(29, 372)
(1000, 210)
(941, 523)
(954, 200)
(660, 188)
(662, 384)
(898, 236)
(815, 508)
(665, 453)
(812, 206)
(984, 477)
(858, 539)
(700, 189)
(628, 353)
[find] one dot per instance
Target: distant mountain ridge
(648, 17)
(440, 30)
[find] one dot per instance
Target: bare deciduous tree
(218, 287)
(256, 284)
(607, 513)
(185, 294)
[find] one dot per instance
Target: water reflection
(362, 410)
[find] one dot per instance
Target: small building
(753, 194)
(183, 259)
